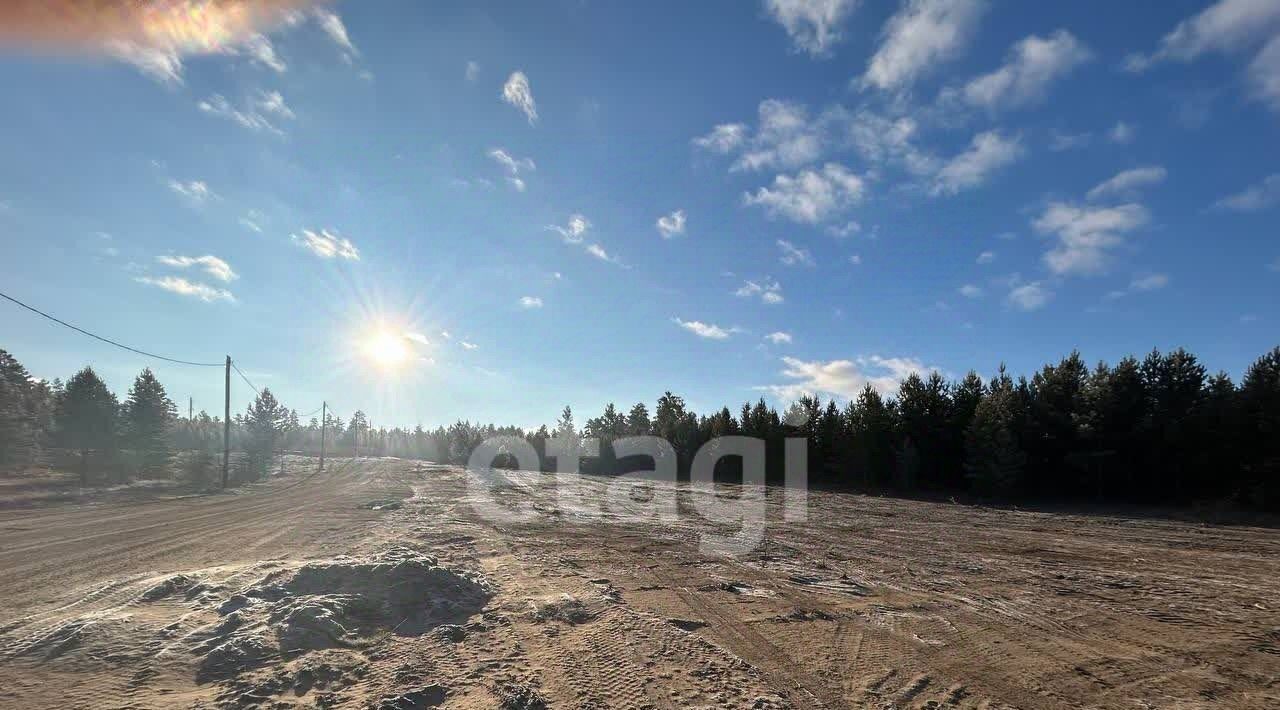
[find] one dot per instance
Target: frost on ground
(306, 594)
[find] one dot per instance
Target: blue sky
(580, 202)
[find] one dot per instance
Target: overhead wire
(108, 341)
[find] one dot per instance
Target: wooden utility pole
(324, 422)
(191, 408)
(226, 427)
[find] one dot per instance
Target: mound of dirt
(564, 607)
(343, 603)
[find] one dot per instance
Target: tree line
(1159, 430)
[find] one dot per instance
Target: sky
(486, 211)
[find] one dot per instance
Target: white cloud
(513, 166)
(517, 93)
(192, 289)
(1128, 182)
(1059, 142)
(970, 291)
(574, 231)
(257, 114)
(724, 138)
(260, 50)
(252, 221)
(987, 154)
(810, 196)
(472, 72)
(882, 139)
(333, 26)
(211, 265)
(418, 338)
(196, 192)
(1264, 74)
(769, 291)
(856, 260)
(840, 231)
(921, 36)
(1225, 26)
(1033, 64)
(793, 255)
(1122, 133)
(671, 225)
(327, 245)
(1152, 282)
(784, 138)
(1086, 234)
(164, 64)
(704, 330)
(1254, 198)
(599, 252)
(843, 378)
(986, 257)
(467, 346)
(779, 338)
(813, 25)
(1028, 297)
(530, 302)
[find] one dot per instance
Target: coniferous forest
(1156, 430)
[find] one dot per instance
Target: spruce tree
(86, 416)
(148, 415)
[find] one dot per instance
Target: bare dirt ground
(378, 584)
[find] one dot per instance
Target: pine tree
(995, 458)
(1260, 431)
(18, 434)
(86, 417)
(264, 422)
(148, 415)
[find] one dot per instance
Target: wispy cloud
(779, 338)
(671, 225)
(1086, 234)
(327, 245)
(970, 291)
(153, 37)
(1128, 183)
(1226, 26)
(769, 291)
(1257, 197)
(1122, 133)
(211, 265)
(1028, 296)
(514, 167)
(257, 113)
(529, 302)
(923, 35)
(468, 345)
(574, 231)
(813, 25)
(333, 26)
(988, 153)
(793, 255)
(709, 331)
(472, 71)
(191, 289)
(1034, 63)
(843, 378)
(724, 138)
(196, 192)
(809, 196)
(986, 257)
(517, 93)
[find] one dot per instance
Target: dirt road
(278, 596)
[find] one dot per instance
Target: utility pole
(191, 408)
(226, 428)
(324, 423)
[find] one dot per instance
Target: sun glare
(387, 350)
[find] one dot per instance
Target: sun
(387, 350)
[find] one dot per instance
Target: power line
(246, 379)
(108, 340)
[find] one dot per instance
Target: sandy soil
(378, 584)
